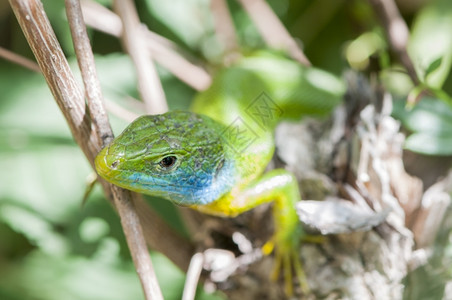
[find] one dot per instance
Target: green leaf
(296, 90)
(47, 277)
(414, 94)
(431, 40)
(434, 65)
(430, 116)
(431, 123)
(34, 227)
(396, 82)
(78, 253)
(442, 95)
(71, 278)
(56, 13)
(429, 144)
(189, 20)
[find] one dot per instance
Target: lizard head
(178, 156)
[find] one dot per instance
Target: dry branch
(111, 106)
(193, 274)
(85, 59)
(272, 30)
(149, 84)
(57, 73)
(69, 98)
(162, 50)
(20, 60)
(397, 33)
(121, 198)
(224, 26)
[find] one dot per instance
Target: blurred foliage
(297, 90)
(431, 43)
(52, 248)
(430, 122)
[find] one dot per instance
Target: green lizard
(213, 158)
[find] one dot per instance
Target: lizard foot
(287, 262)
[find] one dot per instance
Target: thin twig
(149, 84)
(85, 59)
(164, 240)
(272, 30)
(122, 199)
(133, 230)
(192, 279)
(112, 107)
(20, 60)
(397, 33)
(224, 26)
(169, 58)
(54, 66)
(119, 111)
(162, 50)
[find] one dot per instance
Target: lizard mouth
(101, 165)
(107, 169)
(105, 165)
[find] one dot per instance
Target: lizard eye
(168, 162)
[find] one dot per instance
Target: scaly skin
(213, 159)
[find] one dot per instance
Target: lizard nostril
(115, 164)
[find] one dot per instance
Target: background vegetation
(53, 247)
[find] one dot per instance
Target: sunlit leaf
(80, 252)
(190, 20)
(93, 229)
(431, 124)
(397, 82)
(72, 278)
(433, 66)
(34, 227)
(431, 40)
(359, 51)
(430, 116)
(429, 144)
(47, 277)
(296, 90)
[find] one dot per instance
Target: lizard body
(213, 158)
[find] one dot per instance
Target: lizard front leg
(278, 186)
(281, 187)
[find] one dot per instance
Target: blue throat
(187, 187)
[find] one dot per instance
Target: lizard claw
(287, 261)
